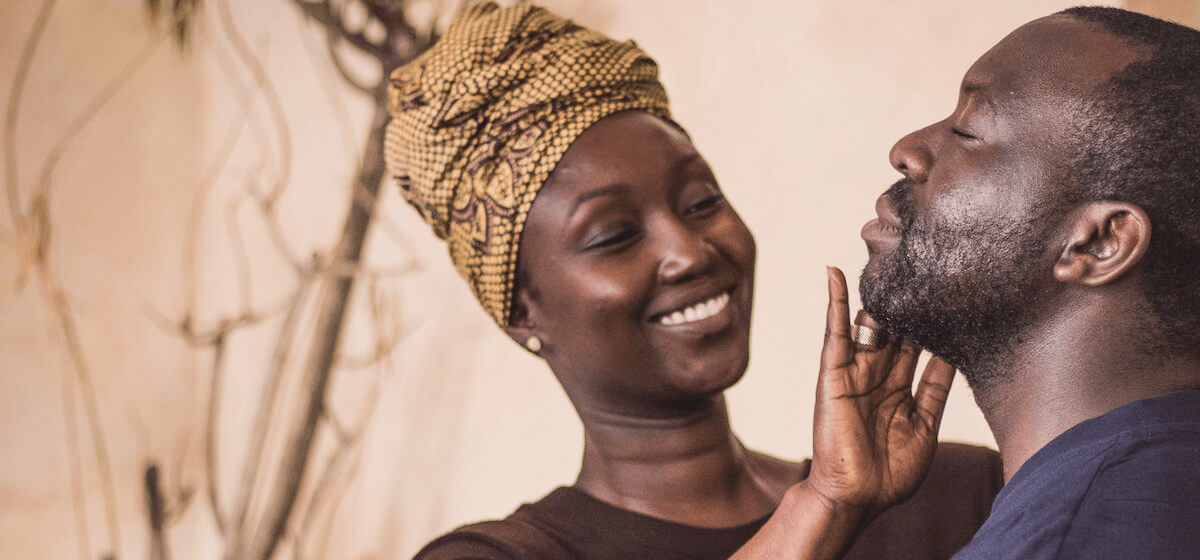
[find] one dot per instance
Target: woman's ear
(521, 326)
(1103, 241)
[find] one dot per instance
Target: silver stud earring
(534, 344)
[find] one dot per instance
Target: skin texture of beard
(964, 290)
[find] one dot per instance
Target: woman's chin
(709, 377)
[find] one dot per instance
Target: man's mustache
(901, 194)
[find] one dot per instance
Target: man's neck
(1077, 366)
(689, 468)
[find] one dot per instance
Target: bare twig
(278, 238)
(348, 438)
(337, 104)
(385, 342)
(97, 103)
(324, 13)
(256, 446)
(155, 513)
(14, 111)
(331, 309)
(196, 337)
(75, 462)
(269, 94)
(229, 69)
(57, 301)
(237, 245)
(212, 427)
(206, 184)
(331, 47)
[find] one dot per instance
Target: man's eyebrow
(979, 91)
(606, 190)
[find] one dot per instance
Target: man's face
(962, 252)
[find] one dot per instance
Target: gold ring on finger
(870, 338)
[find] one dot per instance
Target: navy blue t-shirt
(1125, 485)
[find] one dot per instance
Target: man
(1045, 240)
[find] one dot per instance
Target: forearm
(806, 526)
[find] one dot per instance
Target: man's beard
(965, 290)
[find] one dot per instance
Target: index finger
(838, 350)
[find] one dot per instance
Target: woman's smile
(698, 311)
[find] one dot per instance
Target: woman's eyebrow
(683, 162)
(606, 190)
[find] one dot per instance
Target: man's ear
(1103, 241)
(521, 325)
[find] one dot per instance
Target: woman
(595, 235)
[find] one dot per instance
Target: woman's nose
(912, 155)
(685, 253)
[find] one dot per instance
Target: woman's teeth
(696, 312)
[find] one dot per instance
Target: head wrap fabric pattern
(480, 120)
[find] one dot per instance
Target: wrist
(836, 511)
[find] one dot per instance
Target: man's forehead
(1056, 55)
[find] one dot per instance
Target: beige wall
(794, 103)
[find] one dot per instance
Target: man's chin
(871, 291)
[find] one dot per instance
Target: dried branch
(14, 111)
(207, 183)
(241, 258)
(97, 103)
(348, 438)
(57, 301)
(331, 48)
(385, 343)
(337, 104)
(200, 338)
(278, 238)
(254, 66)
(228, 67)
(155, 513)
(252, 465)
(211, 429)
(331, 309)
(75, 463)
(323, 12)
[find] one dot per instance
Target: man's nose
(912, 155)
(684, 253)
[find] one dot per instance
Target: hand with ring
(873, 437)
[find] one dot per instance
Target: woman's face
(636, 273)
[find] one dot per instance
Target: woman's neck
(690, 468)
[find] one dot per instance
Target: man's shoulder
(1127, 491)
(1143, 500)
(1158, 465)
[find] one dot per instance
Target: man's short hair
(1141, 144)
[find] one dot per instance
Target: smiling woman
(593, 232)
(647, 301)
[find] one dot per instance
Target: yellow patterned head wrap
(480, 120)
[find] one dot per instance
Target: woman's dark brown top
(939, 519)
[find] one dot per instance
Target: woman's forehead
(629, 147)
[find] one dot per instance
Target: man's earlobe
(1103, 241)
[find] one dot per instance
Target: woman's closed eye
(704, 204)
(614, 236)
